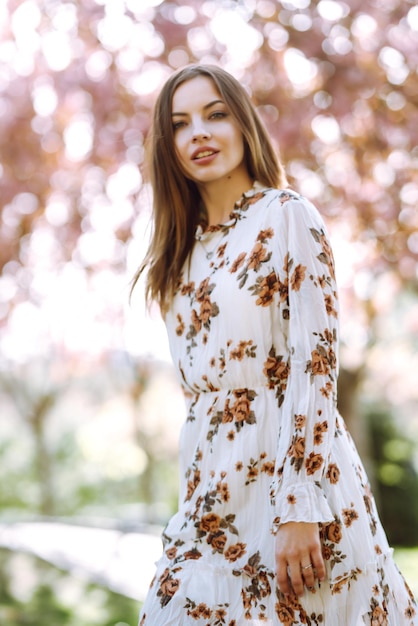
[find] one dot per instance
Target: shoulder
(285, 207)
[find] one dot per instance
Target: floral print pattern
(253, 332)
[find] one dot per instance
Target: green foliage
(396, 477)
(407, 561)
(54, 597)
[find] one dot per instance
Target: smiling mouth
(203, 154)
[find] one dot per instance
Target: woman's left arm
(309, 412)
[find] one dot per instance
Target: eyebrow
(207, 106)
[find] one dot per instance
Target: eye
(217, 115)
(178, 125)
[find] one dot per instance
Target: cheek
(237, 139)
(239, 146)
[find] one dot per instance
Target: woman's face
(208, 141)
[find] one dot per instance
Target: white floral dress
(254, 335)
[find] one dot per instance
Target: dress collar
(240, 207)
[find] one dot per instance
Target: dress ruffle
(218, 596)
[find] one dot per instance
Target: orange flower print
(332, 359)
(285, 196)
(326, 552)
(221, 250)
(313, 463)
(322, 282)
(168, 587)
(333, 532)
(298, 277)
(217, 541)
(264, 586)
(333, 473)
(243, 349)
(291, 498)
(205, 310)
(227, 415)
(319, 363)
(196, 322)
(200, 611)
(300, 421)
(252, 474)
(338, 586)
(285, 614)
(265, 289)
(187, 289)
(345, 579)
(319, 429)
(223, 490)
(247, 201)
(192, 555)
(210, 523)
(263, 235)
(181, 325)
(258, 255)
(203, 290)
(329, 336)
(326, 390)
(350, 516)
(276, 369)
(238, 466)
(171, 553)
(235, 552)
(204, 611)
(297, 449)
(251, 568)
(329, 305)
(368, 503)
(192, 484)
(327, 254)
(241, 408)
(239, 261)
(379, 617)
(246, 603)
(268, 468)
(283, 290)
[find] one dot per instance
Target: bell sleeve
(307, 300)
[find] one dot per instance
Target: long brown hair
(176, 199)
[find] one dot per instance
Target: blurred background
(89, 406)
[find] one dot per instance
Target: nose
(199, 131)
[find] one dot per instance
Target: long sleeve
(307, 299)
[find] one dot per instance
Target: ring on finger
(307, 566)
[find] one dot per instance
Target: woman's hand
(298, 557)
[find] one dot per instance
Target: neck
(220, 196)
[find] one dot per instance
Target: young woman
(276, 522)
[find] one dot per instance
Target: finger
(318, 564)
(296, 579)
(282, 577)
(308, 574)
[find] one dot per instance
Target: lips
(203, 153)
